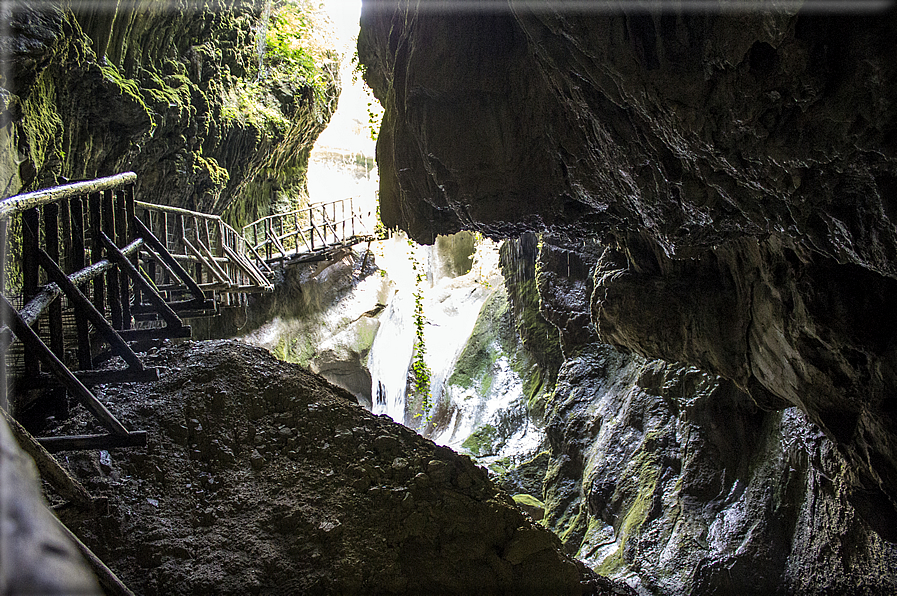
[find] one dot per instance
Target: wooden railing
(84, 270)
(208, 248)
(302, 234)
(68, 243)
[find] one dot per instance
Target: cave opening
(646, 346)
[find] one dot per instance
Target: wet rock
(257, 460)
(387, 445)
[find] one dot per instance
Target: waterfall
(390, 357)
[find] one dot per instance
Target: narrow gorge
(623, 326)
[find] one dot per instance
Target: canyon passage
(646, 344)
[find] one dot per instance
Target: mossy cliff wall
(673, 479)
(215, 105)
(736, 169)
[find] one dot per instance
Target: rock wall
(737, 170)
(214, 104)
(675, 481)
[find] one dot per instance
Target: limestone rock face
(738, 169)
(675, 481)
(202, 100)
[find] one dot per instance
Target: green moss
(168, 93)
(249, 104)
(42, 123)
(290, 349)
(638, 509)
(571, 525)
(528, 500)
(287, 45)
(481, 442)
(129, 88)
(474, 367)
(208, 169)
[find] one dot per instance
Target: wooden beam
(33, 342)
(136, 438)
(93, 315)
(166, 257)
(96, 377)
(184, 331)
(67, 487)
(20, 203)
(110, 583)
(171, 318)
(37, 557)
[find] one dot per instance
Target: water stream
(460, 276)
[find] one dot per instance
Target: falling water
(390, 357)
(342, 166)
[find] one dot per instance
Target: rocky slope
(737, 170)
(260, 477)
(206, 101)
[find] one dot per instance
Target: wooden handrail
(23, 202)
(311, 226)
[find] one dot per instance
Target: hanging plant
(420, 372)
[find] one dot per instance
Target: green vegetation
(247, 104)
(528, 500)
(482, 441)
(374, 109)
(42, 123)
(419, 370)
(290, 47)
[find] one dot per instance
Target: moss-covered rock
(673, 480)
(215, 107)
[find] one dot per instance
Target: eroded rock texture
(202, 100)
(676, 481)
(738, 169)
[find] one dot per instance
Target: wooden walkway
(86, 271)
(87, 274)
(307, 234)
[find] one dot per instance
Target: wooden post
(131, 214)
(122, 237)
(114, 296)
(76, 263)
(298, 229)
(30, 245)
(91, 314)
(56, 397)
(50, 470)
(267, 239)
(166, 278)
(59, 370)
(51, 238)
(96, 250)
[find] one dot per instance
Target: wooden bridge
(87, 272)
